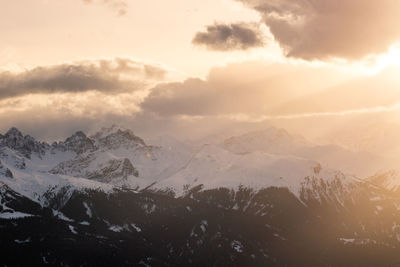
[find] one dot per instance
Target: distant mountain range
(248, 200)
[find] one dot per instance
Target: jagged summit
(13, 139)
(104, 131)
(78, 142)
(274, 140)
(110, 155)
(13, 132)
(26, 145)
(115, 136)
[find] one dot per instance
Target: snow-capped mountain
(214, 167)
(279, 141)
(116, 156)
(126, 201)
(271, 140)
(25, 145)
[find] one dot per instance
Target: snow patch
(116, 228)
(237, 246)
(347, 240)
(61, 216)
(14, 215)
(22, 241)
(137, 228)
(72, 229)
(88, 210)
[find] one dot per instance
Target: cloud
(119, 6)
(106, 76)
(250, 88)
(237, 36)
(324, 29)
(243, 88)
(367, 110)
(372, 93)
(253, 92)
(242, 95)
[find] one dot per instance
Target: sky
(193, 68)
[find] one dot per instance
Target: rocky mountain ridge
(116, 155)
(113, 196)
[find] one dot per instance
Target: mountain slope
(213, 167)
(279, 141)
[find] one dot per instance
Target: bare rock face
(5, 171)
(78, 142)
(75, 167)
(89, 167)
(125, 138)
(113, 169)
(13, 139)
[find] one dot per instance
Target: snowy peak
(78, 142)
(214, 167)
(111, 155)
(14, 133)
(113, 138)
(106, 139)
(280, 142)
(104, 131)
(273, 140)
(26, 145)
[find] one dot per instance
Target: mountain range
(247, 200)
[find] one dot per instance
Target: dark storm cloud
(239, 36)
(106, 76)
(320, 29)
(120, 6)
